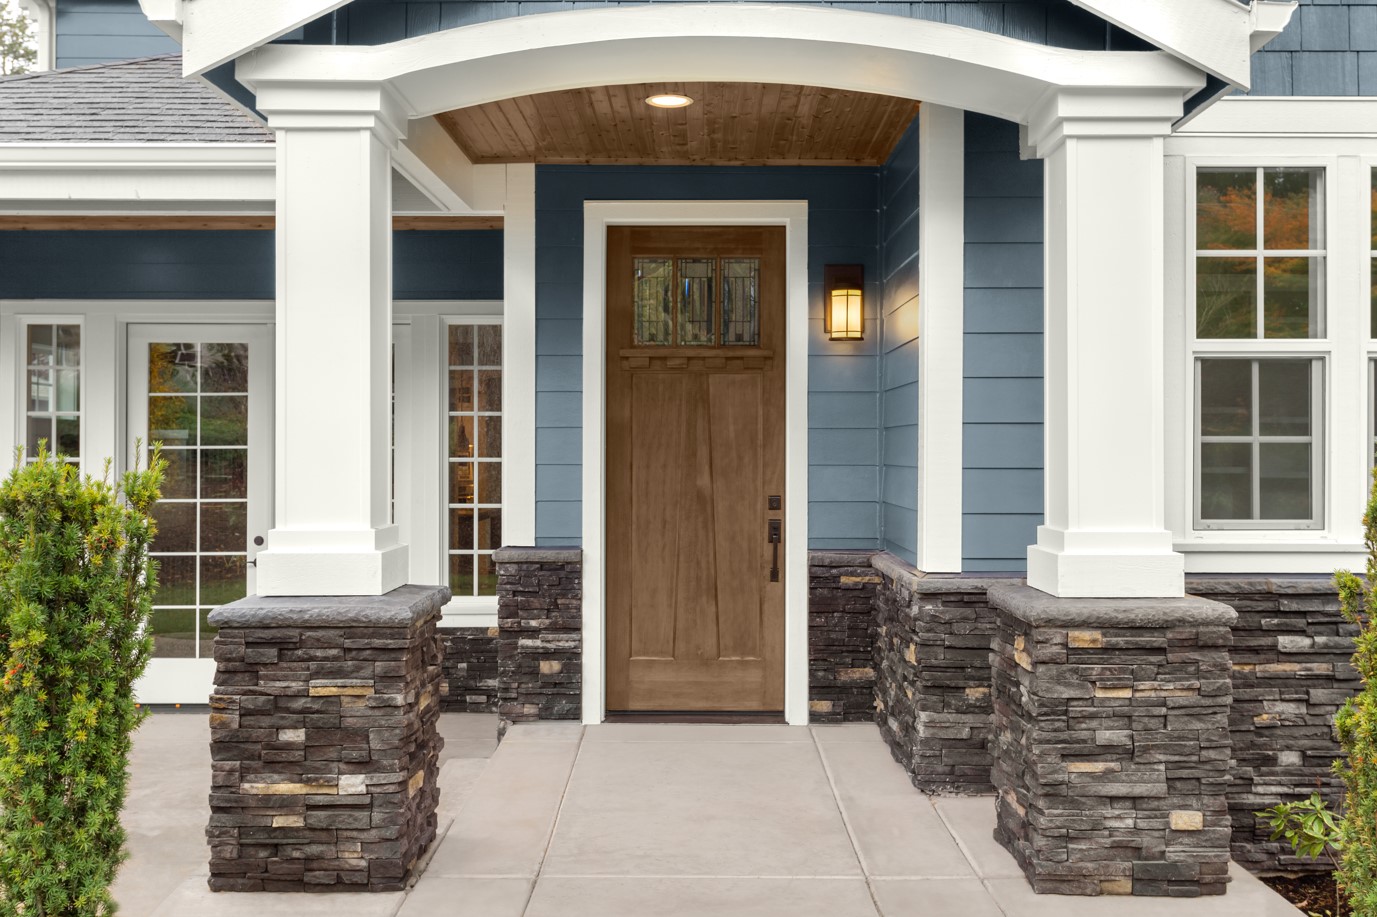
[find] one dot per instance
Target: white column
(332, 534)
(1104, 532)
(519, 357)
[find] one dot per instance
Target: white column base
(1105, 564)
(306, 571)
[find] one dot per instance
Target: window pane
(490, 437)
(741, 301)
(489, 345)
(172, 420)
(489, 390)
(460, 345)
(487, 575)
(41, 345)
(225, 420)
(1226, 397)
(205, 634)
(223, 579)
(461, 530)
(41, 390)
(1226, 481)
(68, 391)
(68, 345)
(1226, 209)
(461, 482)
(461, 437)
(489, 529)
(1225, 297)
(225, 474)
(174, 634)
(695, 301)
(1291, 209)
(461, 390)
(1372, 328)
(1292, 297)
(179, 480)
(461, 574)
(172, 368)
(489, 482)
(1284, 396)
(40, 431)
(224, 527)
(176, 526)
(176, 581)
(69, 436)
(654, 300)
(1285, 486)
(225, 368)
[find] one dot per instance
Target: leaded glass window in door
(696, 302)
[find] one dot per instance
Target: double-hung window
(1259, 354)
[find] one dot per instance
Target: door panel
(695, 438)
(204, 393)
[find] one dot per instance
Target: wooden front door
(695, 469)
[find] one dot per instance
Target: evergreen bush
(75, 591)
(1357, 728)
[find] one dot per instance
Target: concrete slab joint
(1111, 742)
(324, 747)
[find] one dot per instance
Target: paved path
(641, 820)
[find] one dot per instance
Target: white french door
(205, 393)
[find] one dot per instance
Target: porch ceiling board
(729, 123)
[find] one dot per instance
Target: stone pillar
(1112, 749)
(324, 740)
(540, 634)
(841, 636)
(1105, 532)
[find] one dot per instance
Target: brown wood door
(695, 450)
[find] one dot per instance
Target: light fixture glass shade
(669, 100)
(847, 315)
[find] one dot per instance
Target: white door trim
(793, 216)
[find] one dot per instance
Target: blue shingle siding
(1003, 402)
(843, 378)
(1329, 49)
(899, 348)
(97, 31)
(1052, 22)
(224, 264)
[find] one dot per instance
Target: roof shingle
(134, 101)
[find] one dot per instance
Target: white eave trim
(137, 172)
(212, 32)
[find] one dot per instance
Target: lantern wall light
(843, 304)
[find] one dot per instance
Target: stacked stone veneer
(1112, 748)
(470, 684)
(540, 633)
(323, 741)
(841, 636)
(1292, 671)
(933, 683)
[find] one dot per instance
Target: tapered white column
(332, 531)
(1104, 531)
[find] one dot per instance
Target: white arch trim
(817, 46)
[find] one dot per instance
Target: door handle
(775, 535)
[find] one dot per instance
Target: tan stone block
(353, 785)
(417, 780)
(224, 721)
(291, 735)
(551, 666)
(361, 701)
(820, 706)
(288, 789)
(341, 690)
(861, 579)
(1266, 719)
(1094, 767)
(857, 674)
(494, 631)
(911, 654)
(977, 692)
(427, 698)
(1182, 820)
(1278, 668)
(289, 821)
(1085, 639)
(1120, 886)
(1244, 666)
(1113, 692)
(1024, 660)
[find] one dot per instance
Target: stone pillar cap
(1040, 609)
(401, 607)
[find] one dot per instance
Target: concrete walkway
(660, 820)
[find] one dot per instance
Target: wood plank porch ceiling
(728, 124)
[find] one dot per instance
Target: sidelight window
(473, 470)
(52, 400)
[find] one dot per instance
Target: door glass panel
(695, 302)
(198, 410)
(741, 301)
(654, 300)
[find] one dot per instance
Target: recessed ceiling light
(669, 100)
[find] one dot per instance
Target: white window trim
(1338, 541)
(793, 216)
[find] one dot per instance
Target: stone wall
(1291, 672)
(841, 636)
(323, 740)
(540, 633)
(932, 662)
(1112, 748)
(470, 684)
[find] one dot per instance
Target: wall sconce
(843, 302)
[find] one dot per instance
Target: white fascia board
(1270, 17)
(215, 31)
(1214, 35)
(430, 159)
(819, 46)
(1336, 116)
(138, 172)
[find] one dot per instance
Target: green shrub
(75, 590)
(1357, 728)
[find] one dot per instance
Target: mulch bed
(1312, 894)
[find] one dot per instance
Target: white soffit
(215, 31)
(1218, 36)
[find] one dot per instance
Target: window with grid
(474, 455)
(1259, 360)
(52, 394)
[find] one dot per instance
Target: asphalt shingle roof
(135, 101)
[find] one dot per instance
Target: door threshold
(729, 717)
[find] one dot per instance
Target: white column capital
(1081, 112)
(331, 105)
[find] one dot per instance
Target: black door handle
(775, 534)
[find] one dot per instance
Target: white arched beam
(812, 46)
